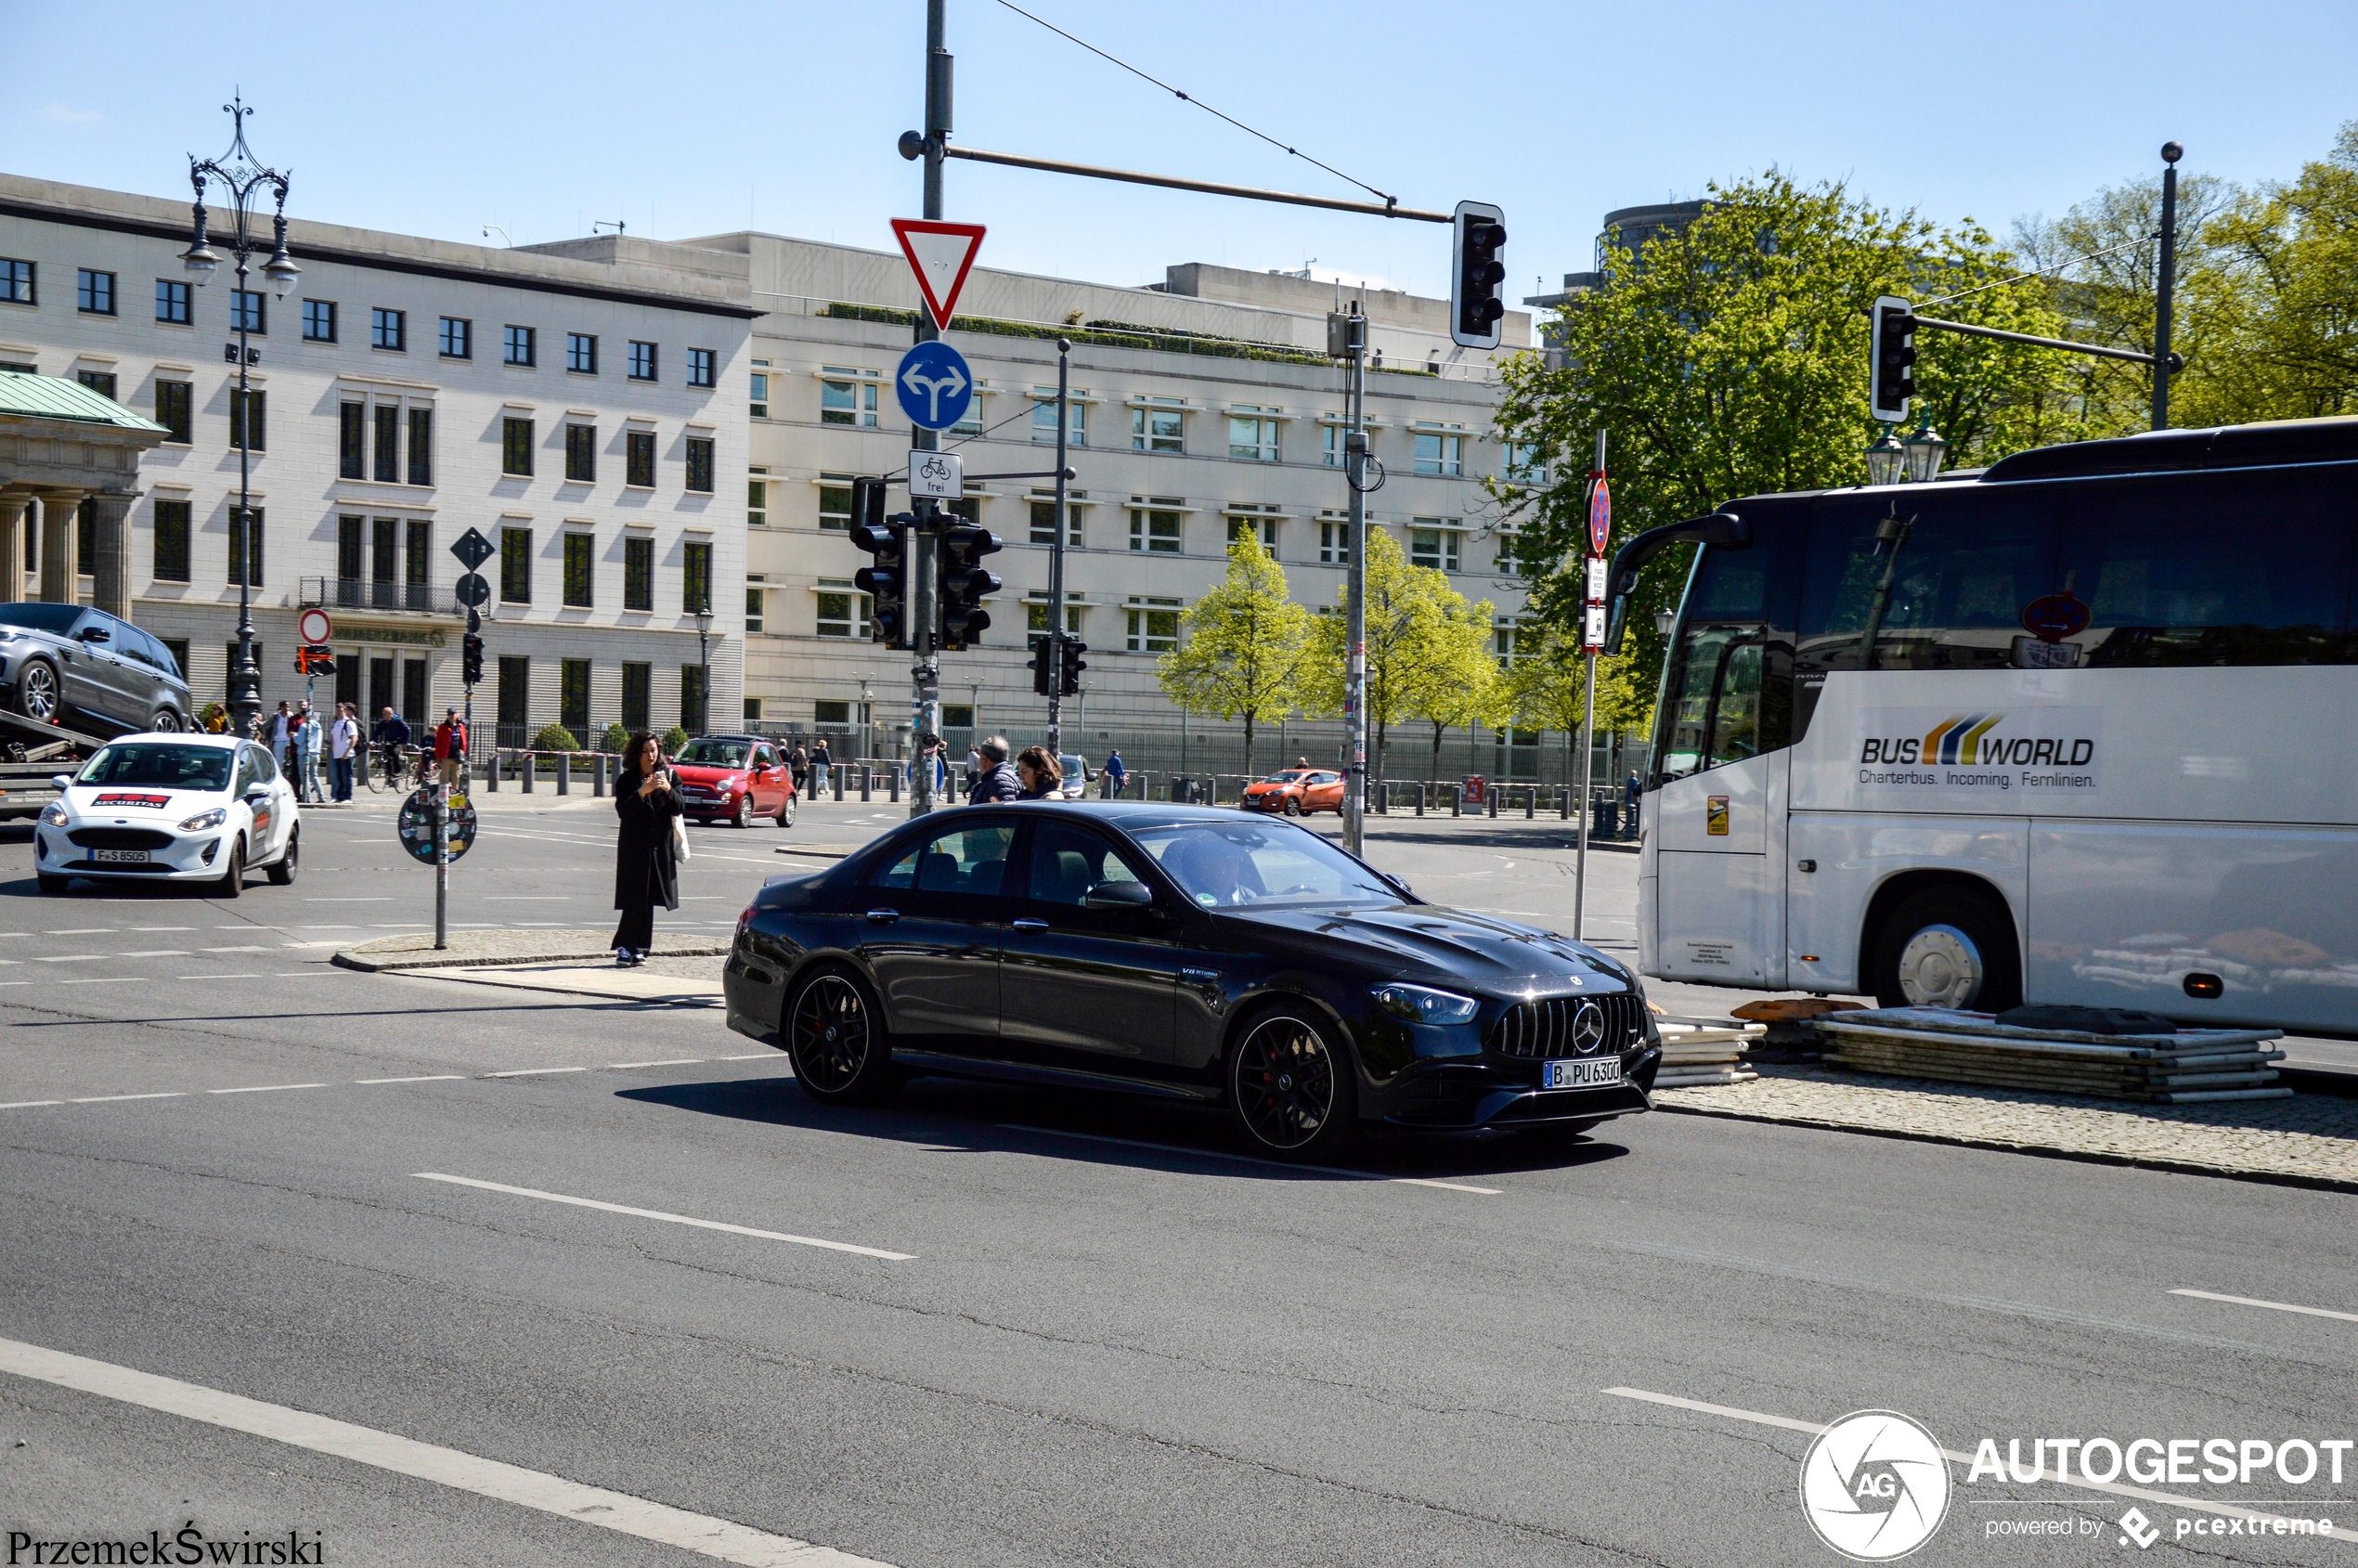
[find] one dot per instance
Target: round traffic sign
(474, 590)
(934, 386)
(313, 625)
(417, 825)
(1599, 516)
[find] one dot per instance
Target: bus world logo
(2033, 749)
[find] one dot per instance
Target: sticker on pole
(934, 386)
(416, 825)
(941, 254)
(313, 625)
(1599, 516)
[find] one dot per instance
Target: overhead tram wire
(1387, 197)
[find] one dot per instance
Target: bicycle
(396, 768)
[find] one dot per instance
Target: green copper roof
(55, 397)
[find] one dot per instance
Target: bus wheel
(1948, 947)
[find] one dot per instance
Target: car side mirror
(1123, 897)
(94, 634)
(60, 781)
(256, 792)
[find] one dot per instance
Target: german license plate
(1601, 1072)
(120, 857)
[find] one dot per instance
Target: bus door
(1716, 819)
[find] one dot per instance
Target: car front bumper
(194, 857)
(1495, 1091)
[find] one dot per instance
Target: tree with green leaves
(1547, 688)
(1242, 646)
(1402, 612)
(1455, 682)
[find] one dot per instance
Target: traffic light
(1070, 665)
(886, 582)
(471, 658)
(1478, 279)
(1043, 664)
(315, 660)
(964, 584)
(868, 502)
(1891, 357)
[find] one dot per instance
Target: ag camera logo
(1874, 1485)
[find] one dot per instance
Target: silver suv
(60, 663)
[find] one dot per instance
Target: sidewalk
(682, 981)
(510, 948)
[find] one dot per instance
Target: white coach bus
(2080, 728)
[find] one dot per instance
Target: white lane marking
(422, 1078)
(104, 1099)
(671, 1219)
(19, 1105)
(119, 980)
(75, 958)
(264, 1088)
(1248, 1159)
(15, 982)
(2272, 1306)
(251, 948)
(718, 1539)
(156, 953)
(251, 975)
(81, 931)
(2114, 1488)
(385, 899)
(668, 1061)
(528, 1072)
(164, 928)
(529, 899)
(749, 1056)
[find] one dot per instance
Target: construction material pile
(1698, 1051)
(2156, 1063)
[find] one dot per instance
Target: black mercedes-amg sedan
(1184, 952)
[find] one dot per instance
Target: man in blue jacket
(996, 780)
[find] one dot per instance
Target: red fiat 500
(735, 779)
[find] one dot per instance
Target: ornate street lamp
(704, 659)
(241, 174)
(1924, 451)
(1885, 459)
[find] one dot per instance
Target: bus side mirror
(1724, 529)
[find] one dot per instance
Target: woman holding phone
(646, 873)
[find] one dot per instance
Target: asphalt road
(1099, 1335)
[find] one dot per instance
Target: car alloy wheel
(1293, 804)
(833, 1037)
(787, 811)
(233, 877)
(164, 722)
(742, 816)
(1291, 1088)
(37, 691)
(282, 871)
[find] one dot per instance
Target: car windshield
(714, 754)
(164, 766)
(1229, 866)
(1286, 777)
(57, 619)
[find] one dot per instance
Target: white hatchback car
(169, 808)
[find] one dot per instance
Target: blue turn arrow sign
(934, 386)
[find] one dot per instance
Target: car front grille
(119, 838)
(1544, 1029)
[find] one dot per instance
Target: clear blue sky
(437, 119)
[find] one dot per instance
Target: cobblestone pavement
(2311, 1140)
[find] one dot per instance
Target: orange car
(1297, 792)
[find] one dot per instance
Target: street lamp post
(241, 174)
(704, 663)
(1885, 459)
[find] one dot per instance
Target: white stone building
(587, 413)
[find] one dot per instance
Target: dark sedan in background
(1187, 952)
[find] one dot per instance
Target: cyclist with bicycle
(391, 735)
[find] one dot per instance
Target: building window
(1334, 544)
(249, 420)
(100, 382)
(1158, 427)
(846, 401)
(834, 502)
(1526, 465)
(760, 385)
(419, 559)
(1043, 417)
(702, 367)
(352, 441)
(1333, 448)
(1441, 451)
(175, 409)
(1511, 562)
(458, 338)
(581, 453)
(1253, 525)
(1154, 624)
(515, 700)
(515, 446)
(579, 570)
(639, 457)
(758, 500)
(318, 320)
(245, 526)
(643, 361)
(700, 465)
(691, 698)
(520, 345)
(638, 689)
(389, 329)
(16, 281)
(515, 565)
(1035, 615)
(1503, 637)
(757, 601)
(351, 552)
(842, 613)
(573, 697)
(246, 311)
(94, 292)
(581, 353)
(1252, 433)
(171, 302)
(695, 575)
(384, 559)
(1154, 531)
(970, 423)
(1432, 545)
(172, 542)
(388, 465)
(638, 573)
(1044, 523)
(420, 445)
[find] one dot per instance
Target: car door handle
(1030, 925)
(884, 917)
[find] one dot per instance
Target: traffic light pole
(1056, 560)
(925, 539)
(1354, 681)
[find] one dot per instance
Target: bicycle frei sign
(942, 254)
(937, 475)
(934, 386)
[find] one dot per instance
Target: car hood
(690, 772)
(1264, 786)
(140, 803)
(1476, 949)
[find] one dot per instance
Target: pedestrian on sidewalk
(646, 867)
(449, 747)
(275, 729)
(1043, 779)
(291, 751)
(343, 743)
(820, 762)
(392, 734)
(314, 736)
(799, 763)
(1115, 772)
(994, 780)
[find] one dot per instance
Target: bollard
(1420, 799)
(491, 775)
(836, 777)
(597, 776)
(1565, 797)
(1531, 803)
(1456, 799)
(564, 773)
(865, 777)
(530, 768)
(892, 786)
(1490, 798)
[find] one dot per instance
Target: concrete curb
(457, 958)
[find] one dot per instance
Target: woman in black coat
(646, 869)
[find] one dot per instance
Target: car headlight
(1422, 1005)
(54, 814)
(203, 820)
